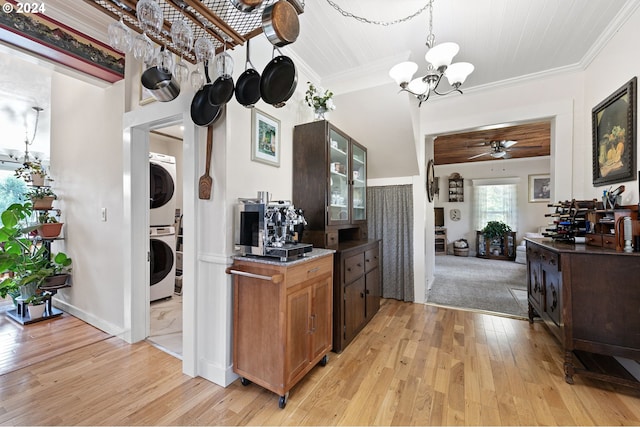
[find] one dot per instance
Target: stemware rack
(218, 20)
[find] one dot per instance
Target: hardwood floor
(412, 365)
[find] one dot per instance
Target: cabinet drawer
(594, 239)
(353, 267)
(309, 270)
(609, 241)
(371, 259)
(550, 259)
(331, 239)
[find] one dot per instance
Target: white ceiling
(504, 39)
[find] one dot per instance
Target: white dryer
(163, 262)
(162, 190)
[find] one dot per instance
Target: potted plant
(29, 265)
(50, 227)
(319, 99)
(495, 230)
(41, 197)
(37, 304)
(33, 172)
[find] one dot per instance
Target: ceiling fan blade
(477, 155)
(506, 155)
(507, 144)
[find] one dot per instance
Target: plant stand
(21, 315)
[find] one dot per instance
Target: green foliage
(31, 167)
(35, 193)
(29, 263)
(495, 229)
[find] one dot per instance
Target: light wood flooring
(412, 365)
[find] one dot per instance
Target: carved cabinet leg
(568, 367)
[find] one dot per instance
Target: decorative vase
(319, 112)
(36, 311)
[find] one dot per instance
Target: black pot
(278, 81)
(203, 112)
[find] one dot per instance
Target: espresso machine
(269, 228)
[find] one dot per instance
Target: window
(495, 201)
(11, 189)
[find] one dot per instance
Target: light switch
(103, 214)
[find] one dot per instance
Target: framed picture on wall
(613, 123)
(539, 188)
(265, 138)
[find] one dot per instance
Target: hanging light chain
(383, 23)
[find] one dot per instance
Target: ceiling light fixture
(439, 59)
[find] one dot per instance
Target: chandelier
(439, 58)
(26, 157)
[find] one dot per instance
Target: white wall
(601, 80)
(86, 163)
(530, 215)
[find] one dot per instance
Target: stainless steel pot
(280, 23)
(161, 85)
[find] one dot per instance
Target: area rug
(477, 284)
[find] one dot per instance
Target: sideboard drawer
(353, 267)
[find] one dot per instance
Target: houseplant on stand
(33, 172)
(50, 227)
(28, 261)
(495, 232)
(41, 197)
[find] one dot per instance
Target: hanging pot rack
(218, 20)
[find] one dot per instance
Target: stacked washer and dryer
(162, 233)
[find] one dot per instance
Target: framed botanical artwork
(614, 136)
(539, 188)
(265, 138)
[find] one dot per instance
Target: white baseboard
(90, 319)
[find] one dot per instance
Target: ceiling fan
(498, 149)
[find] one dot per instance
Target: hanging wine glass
(150, 16)
(165, 60)
(224, 63)
(182, 37)
(120, 36)
(203, 49)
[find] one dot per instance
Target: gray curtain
(390, 218)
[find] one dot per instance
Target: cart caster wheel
(324, 360)
(282, 402)
(245, 382)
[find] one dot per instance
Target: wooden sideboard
(588, 297)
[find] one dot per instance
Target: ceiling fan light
(442, 54)
(457, 73)
(508, 144)
(418, 86)
(498, 154)
(403, 72)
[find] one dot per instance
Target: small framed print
(265, 138)
(539, 188)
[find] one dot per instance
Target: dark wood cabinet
(357, 290)
(589, 298)
(329, 184)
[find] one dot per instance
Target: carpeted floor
(469, 283)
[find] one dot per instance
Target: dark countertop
(560, 246)
(315, 253)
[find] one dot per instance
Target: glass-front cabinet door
(338, 178)
(359, 190)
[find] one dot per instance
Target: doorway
(166, 238)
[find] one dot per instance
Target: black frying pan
(221, 91)
(248, 84)
(278, 81)
(203, 113)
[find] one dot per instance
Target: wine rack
(569, 219)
